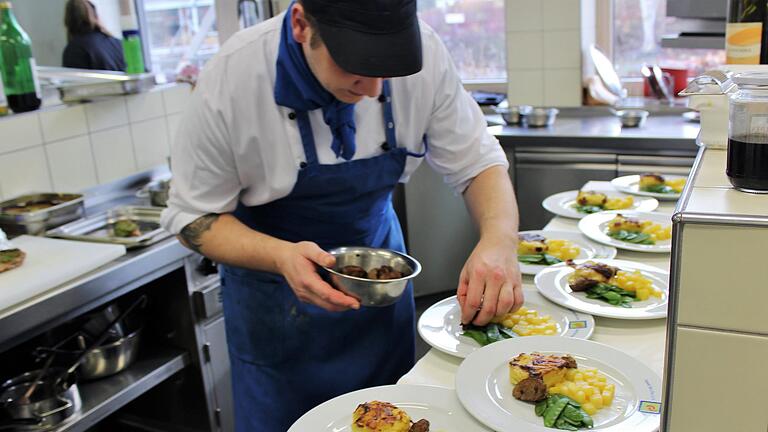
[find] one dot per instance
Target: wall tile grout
(93, 153)
(45, 153)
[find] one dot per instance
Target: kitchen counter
(597, 129)
(642, 339)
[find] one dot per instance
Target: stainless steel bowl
(158, 193)
(515, 114)
(372, 292)
(541, 117)
(632, 118)
(111, 358)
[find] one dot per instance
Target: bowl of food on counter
(541, 117)
(515, 114)
(632, 117)
(376, 277)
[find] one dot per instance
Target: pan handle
(67, 405)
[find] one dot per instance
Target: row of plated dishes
(535, 369)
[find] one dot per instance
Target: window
(473, 31)
(180, 32)
(638, 41)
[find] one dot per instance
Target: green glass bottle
(18, 67)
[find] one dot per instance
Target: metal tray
(83, 84)
(98, 228)
(71, 207)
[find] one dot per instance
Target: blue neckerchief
(296, 87)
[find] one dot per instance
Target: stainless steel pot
(49, 405)
(111, 358)
(157, 192)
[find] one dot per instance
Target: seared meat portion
(621, 223)
(531, 244)
(531, 237)
(570, 362)
(590, 274)
(355, 271)
(384, 272)
(10, 259)
(420, 426)
(530, 390)
(591, 198)
(651, 179)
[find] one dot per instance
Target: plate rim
(606, 240)
(617, 183)
(558, 210)
(468, 365)
(301, 424)
(617, 263)
(587, 317)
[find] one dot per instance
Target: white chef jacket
(234, 143)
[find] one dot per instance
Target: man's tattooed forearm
(193, 232)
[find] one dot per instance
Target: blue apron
(287, 356)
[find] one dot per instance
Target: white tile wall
(522, 16)
(563, 87)
(150, 143)
(63, 123)
(24, 171)
(145, 106)
(562, 49)
(177, 98)
(71, 164)
(72, 148)
(106, 114)
(544, 41)
(525, 50)
(113, 153)
(20, 132)
(560, 14)
(527, 87)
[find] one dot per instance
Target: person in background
(90, 45)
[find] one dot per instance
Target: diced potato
(589, 408)
(607, 397)
(580, 397)
(596, 400)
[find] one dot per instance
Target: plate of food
(538, 249)
(635, 231)
(538, 384)
(11, 257)
(610, 288)
(576, 204)
(440, 325)
(395, 408)
(663, 187)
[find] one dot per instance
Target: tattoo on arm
(192, 233)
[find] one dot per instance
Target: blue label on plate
(577, 324)
(650, 407)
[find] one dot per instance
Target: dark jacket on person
(94, 50)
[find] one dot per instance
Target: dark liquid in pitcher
(24, 102)
(748, 164)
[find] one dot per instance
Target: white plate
(589, 249)
(483, 387)
(631, 184)
(595, 226)
(439, 405)
(552, 283)
(440, 325)
(562, 203)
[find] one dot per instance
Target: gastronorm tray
(83, 84)
(98, 228)
(65, 208)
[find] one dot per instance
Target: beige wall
(544, 45)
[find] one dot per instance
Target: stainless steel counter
(662, 134)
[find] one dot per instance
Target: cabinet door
(539, 175)
(717, 383)
(216, 338)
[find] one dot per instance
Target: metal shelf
(105, 396)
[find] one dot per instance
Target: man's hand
(490, 282)
(296, 262)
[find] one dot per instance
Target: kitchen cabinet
(539, 175)
(716, 313)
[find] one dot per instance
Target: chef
(292, 143)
